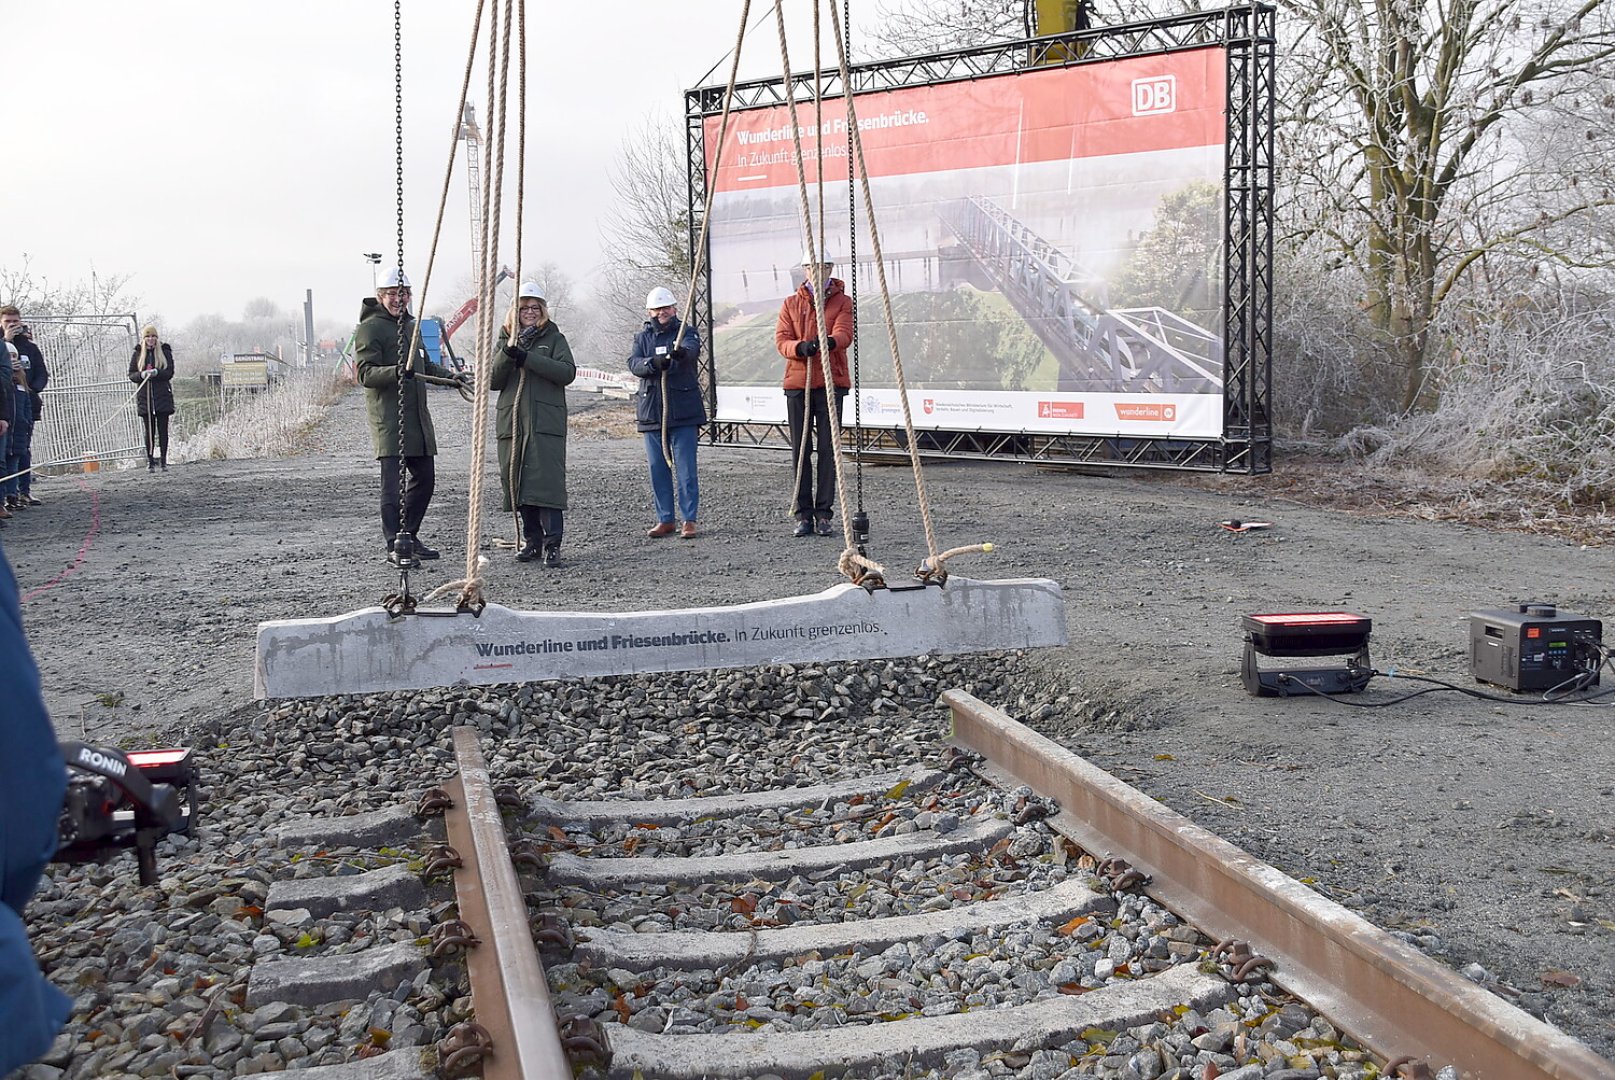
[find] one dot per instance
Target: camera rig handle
(116, 800)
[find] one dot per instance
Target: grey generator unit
(1535, 647)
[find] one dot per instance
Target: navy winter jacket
(687, 407)
(32, 782)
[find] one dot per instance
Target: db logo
(930, 406)
(1156, 94)
(1169, 412)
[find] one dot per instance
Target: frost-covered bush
(1527, 396)
(269, 424)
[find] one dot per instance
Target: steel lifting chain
(402, 603)
(860, 517)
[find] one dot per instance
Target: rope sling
(934, 567)
(706, 218)
(853, 562)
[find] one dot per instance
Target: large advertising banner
(1052, 243)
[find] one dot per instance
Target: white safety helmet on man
(660, 297)
(393, 278)
(824, 258)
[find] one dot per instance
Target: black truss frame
(1247, 34)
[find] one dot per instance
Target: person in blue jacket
(665, 364)
(33, 780)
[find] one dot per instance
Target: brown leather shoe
(688, 531)
(4, 513)
(660, 529)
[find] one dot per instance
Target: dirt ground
(1485, 829)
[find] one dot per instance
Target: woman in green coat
(531, 374)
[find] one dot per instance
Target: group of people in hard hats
(532, 367)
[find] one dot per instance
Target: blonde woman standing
(532, 367)
(152, 369)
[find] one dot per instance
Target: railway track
(1013, 911)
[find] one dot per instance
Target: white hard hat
(530, 290)
(393, 278)
(661, 296)
(824, 258)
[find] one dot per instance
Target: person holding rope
(18, 456)
(532, 366)
(384, 320)
(661, 361)
(807, 403)
(152, 369)
(17, 333)
(8, 417)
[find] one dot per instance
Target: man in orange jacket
(807, 404)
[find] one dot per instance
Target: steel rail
(1387, 995)
(508, 989)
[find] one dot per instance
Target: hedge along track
(1401, 1005)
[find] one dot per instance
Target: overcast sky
(217, 152)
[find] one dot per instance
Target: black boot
(151, 464)
(552, 556)
(532, 545)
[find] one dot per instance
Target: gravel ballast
(1481, 832)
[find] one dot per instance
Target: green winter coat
(375, 344)
(532, 419)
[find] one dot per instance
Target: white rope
(706, 217)
(933, 560)
(849, 555)
(471, 594)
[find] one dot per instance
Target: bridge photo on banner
(1075, 248)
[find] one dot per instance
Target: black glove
(517, 356)
(830, 343)
(406, 374)
(678, 352)
(805, 349)
(662, 361)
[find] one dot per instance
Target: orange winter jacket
(797, 324)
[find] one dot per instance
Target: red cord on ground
(84, 545)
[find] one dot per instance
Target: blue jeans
(681, 441)
(20, 459)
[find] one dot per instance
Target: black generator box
(1535, 647)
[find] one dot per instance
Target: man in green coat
(531, 374)
(383, 321)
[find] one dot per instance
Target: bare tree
(1411, 144)
(914, 27)
(38, 295)
(646, 239)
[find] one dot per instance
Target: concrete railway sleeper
(1002, 910)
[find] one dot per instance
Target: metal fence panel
(89, 406)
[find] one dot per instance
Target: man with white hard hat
(669, 403)
(807, 401)
(403, 435)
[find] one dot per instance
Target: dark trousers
(417, 493)
(156, 435)
(542, 526)
(809, 416)
(19, 458)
